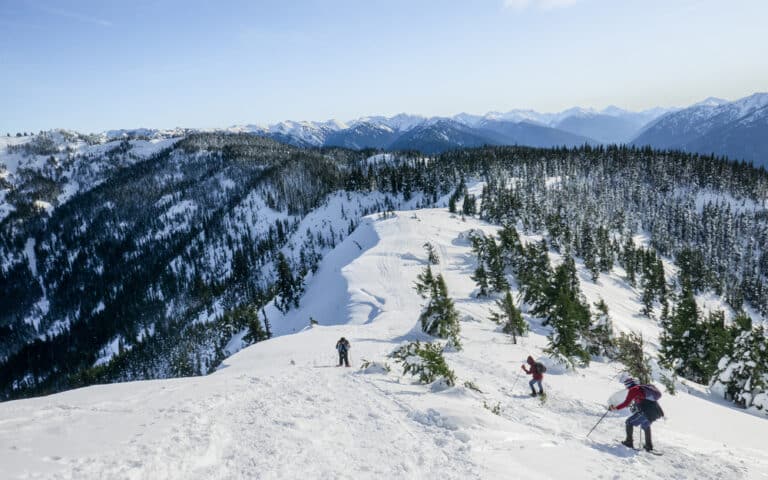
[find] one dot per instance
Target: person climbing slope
(643, 401)
(537, 369)
(342, 346)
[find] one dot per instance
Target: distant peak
(710, 102)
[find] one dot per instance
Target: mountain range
(572, 127)
(734, 129)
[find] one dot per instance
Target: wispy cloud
(540, 4)
(80, 17)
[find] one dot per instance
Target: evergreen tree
(683, 339)
(742, 374)
(256, 332)
(599, 337)
(289, 288)
(432, 256)
(534, 276)
(424, 282)
(481, 279)
(568, 314)
(469, 207)
(630, 352)
(511, 247)
(267, 325)
(510, 317)
(497, 277)
(440, 317)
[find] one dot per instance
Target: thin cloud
(539, 4)
(75, 16)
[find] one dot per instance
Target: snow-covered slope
(281, 409)
(69, 162)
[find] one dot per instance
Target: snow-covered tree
(742, 376)
(599, 336)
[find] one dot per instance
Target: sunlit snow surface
(281, 409)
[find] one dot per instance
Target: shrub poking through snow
(494, 409)
(426, 361)
(472, 386)
(371, 366)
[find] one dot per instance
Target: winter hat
(627, 380)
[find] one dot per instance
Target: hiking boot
(648, 443)
(629, 442)
(533, 394)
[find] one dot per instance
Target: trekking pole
(598, 422)
(514, 384)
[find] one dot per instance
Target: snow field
(282, 409)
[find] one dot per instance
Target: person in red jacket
(646, 410)
(537, 375)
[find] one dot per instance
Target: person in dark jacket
(537, 376)
(342, 346)
(646, 411)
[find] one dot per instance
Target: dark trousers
(343, 357)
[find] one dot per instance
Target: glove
(611, 408)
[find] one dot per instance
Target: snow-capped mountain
(585, 125)
(439, 136)
(574, 126)
(737, 129)
(362, 135)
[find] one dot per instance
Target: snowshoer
(643, 401)
(537, 370)
(342, 346)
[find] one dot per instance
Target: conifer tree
(440, 317)
(511, 247)
(510, 317)
(469, 207)
(599, 336)
(683, 339)
(742, 374)
(256, 332)
(432, 256)
(534, 275)
(424, 282)
(630, 352)
(568, 314)
(289, 288)
(497, 277)
(481, 279)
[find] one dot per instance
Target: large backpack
(540, 367)
(651, 392)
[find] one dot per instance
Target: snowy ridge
(280, 408)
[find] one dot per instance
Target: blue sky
(96, 65)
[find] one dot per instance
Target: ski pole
(598, 422)
(514, 384)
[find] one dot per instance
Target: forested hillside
(150, 271)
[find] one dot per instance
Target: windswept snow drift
(281, 409)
